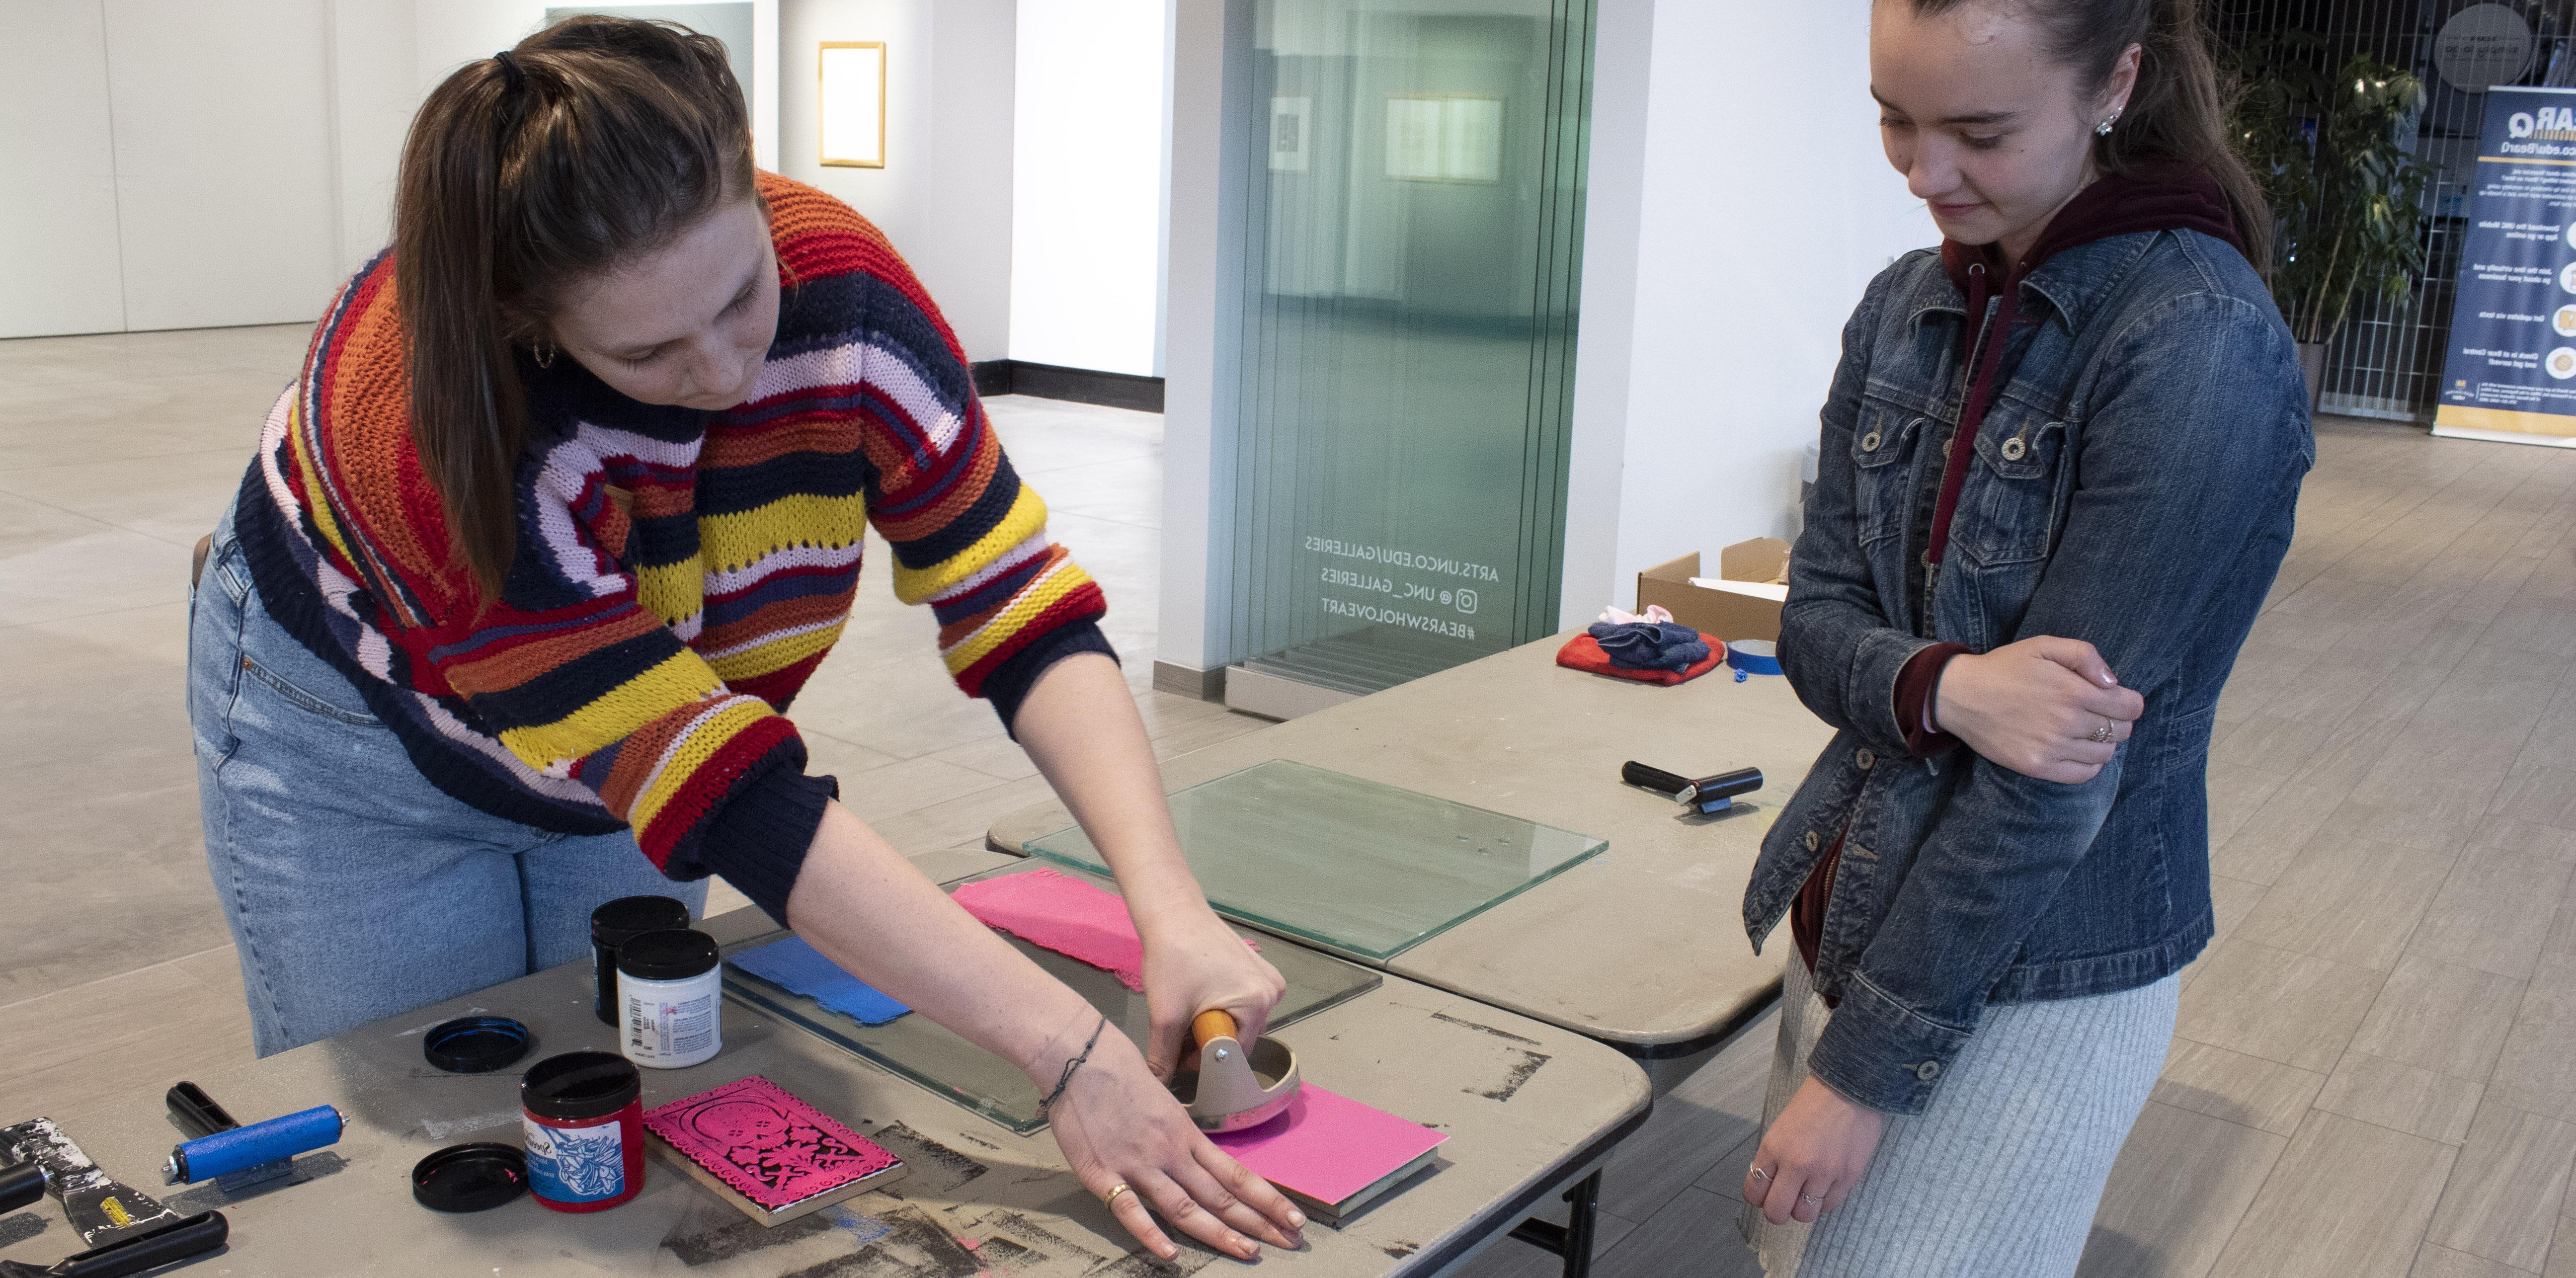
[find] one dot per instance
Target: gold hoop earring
(545, 355)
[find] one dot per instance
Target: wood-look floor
(2375, 1070)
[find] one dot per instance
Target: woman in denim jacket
(2060, 459)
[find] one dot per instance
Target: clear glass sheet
(928, 1053)
(1354, 866)
(1413, 256)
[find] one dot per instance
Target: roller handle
(20, 1185)
(196, 1113)
(1667, 784)
(1211, 1025)
(179, 1240)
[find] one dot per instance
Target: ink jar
(612, 925)
(583, 1115)
(671, 985)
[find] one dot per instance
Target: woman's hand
(2044, 707)
(1118, 1125)
(1813, 1155)
(1193, 963)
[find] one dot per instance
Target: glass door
(1413, 258)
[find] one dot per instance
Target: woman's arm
(866, 908)
(1079, 724)
(1836, 646)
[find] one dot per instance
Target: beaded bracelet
(1065, 1079)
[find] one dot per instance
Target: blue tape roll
(225, 1152)
(1753, 657)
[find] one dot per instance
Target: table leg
(1573, 1239)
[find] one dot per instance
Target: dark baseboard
(1081, 385)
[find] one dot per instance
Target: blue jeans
(355, 888)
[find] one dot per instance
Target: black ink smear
(915, 1246)
(1144, 1264)
(697, 1245)
(936, 1169)
(20, 1227)
(1529, 1063)
(1012, 1228)
(1444, 1016)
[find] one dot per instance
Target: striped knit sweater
(679, 573)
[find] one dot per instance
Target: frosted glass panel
(1348, 864)
(1411, 267)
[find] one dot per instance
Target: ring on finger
(1809, 1198)
(2103, 734)
(1109, 1199)
(1761, 1175)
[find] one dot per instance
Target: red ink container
(584, 1117)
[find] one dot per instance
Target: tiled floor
(2375, 1072)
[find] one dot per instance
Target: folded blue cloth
(1650, 645)
(802, 968)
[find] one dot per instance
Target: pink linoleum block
(769, 1146)
(1328, 1146)
(1063, 914)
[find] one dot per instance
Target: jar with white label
(670, 989)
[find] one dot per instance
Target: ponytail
(2177, 114)
(590, 143)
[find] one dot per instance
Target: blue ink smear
(866, 1229)
(800, 967)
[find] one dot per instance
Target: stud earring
(2104, 128)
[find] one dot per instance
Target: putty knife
(1233, 1089)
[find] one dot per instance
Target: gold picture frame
(850, 113)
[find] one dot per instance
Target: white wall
(1086, 232)
(187, 165)
(58, 270)
(1760, 205)
(944, 195)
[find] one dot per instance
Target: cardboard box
(1727, 614)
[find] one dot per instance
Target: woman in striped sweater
(564, 508)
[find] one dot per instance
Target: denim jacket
(2132, 486)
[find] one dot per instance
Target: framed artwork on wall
(852, 102)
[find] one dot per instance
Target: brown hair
(2177, 114)
(589, 144)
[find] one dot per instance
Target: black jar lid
(673, 954)
(470, 1177)
(612, 923)
(475, 1044)
(578, 1085)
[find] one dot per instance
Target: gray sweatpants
(2000, 1177)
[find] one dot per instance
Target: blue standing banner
(2511, 373)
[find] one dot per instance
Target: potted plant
(2333, 148)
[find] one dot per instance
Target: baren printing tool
(128, 1231)
(1708, 794)
(1232, 1089)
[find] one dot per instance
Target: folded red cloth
(1583, 653)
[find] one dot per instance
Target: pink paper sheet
(1063, 914)
(1328, 1146)
(1066, 915)
(769, 1146)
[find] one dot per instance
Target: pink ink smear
(1066, 915)
(769, 1146)
(1328, 1146)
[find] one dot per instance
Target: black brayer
(1708, 794)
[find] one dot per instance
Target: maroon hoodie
(2167, 198)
